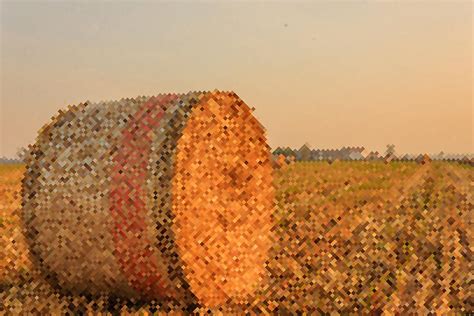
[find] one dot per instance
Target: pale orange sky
(330, 74)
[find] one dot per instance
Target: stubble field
(350, 237)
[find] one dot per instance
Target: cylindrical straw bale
(152, 197)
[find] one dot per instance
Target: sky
(330, 74)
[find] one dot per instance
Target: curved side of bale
(159, 184)
(32, 187)
(140, 200)
(222, 199)
(65, 211)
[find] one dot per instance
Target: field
(350, 237)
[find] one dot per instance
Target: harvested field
(351, 237)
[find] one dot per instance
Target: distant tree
(289, 152)
(278, 151)
(304, 153)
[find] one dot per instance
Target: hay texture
(152, 197)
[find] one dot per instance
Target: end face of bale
(223, 199)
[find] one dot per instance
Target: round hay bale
(152, 197)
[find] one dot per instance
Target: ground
(350, 237)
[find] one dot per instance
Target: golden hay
(151, 197)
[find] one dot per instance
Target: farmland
(349, 237)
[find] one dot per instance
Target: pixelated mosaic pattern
(170, 203)
(143, 197)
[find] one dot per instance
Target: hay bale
(152, 197)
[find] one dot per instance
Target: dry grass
(351, 237)
(373, 237)
(14, 260)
